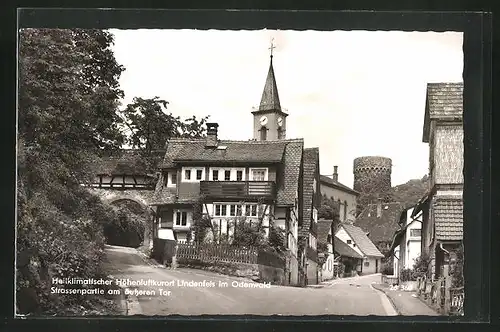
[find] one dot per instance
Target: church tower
(269, 121)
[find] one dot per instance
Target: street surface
(353, 296)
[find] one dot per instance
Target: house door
(258, 174)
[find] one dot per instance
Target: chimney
(335, 176)
(379, 208)
(211, 141)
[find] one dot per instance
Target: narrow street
(343, 297)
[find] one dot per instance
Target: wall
(293, 270)
(222, 222)
(396, 261)
(272, 125)
(312, 272)
(412, 253)
(327, 268)
(255, 272)
(343, 236)
(344, 197)
(449, 155)
(372, 267)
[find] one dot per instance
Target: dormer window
(349, 242)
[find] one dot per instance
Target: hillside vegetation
(410, 192)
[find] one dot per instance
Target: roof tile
(324, 227)
(310, 163)
(445, 99)
(194, 150)
(381, 228)
(330, 182)
(448, 218)
(343, 249)
(362, 241)
(288, 186)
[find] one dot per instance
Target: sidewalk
(406, 303)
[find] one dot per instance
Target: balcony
(238, 189)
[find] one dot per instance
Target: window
(349, 241)
(345, 210)
(218, 209)
(181, 218)
(259, 174)
(173, 178)
(215, 175)
(263, 133)
(367, 264)
(238, 210)
(354, 245)
(253, 210)
(199, 173)
(187, 174)
(329, 238)
(239, 175)
(415, 232)
(224, 210)
(232, 210)
(227, 175)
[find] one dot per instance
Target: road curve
(239, 297)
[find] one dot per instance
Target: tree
(68, 98)
(150, 126)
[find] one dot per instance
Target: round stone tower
(372, 174)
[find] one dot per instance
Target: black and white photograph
(239, 172)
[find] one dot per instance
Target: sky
(350, 93)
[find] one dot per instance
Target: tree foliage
(128, 225)
(68, 98)
(151, 126)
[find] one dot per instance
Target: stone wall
(372, 174)
(255, 272)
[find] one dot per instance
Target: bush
(52, 244)
(339, 269)
(248, 235)
(126, 227)
(457, 268)
(406, 275)
(387, 268)
(421, 266)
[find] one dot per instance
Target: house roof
(126, 161)
(309, 164)
(380, 229)
(324, 227)
(448, 218)
(325, 180)
(194, 150)
(288, 186)
(343, 249)
(287, 152)
(362, 241)
(443, 101)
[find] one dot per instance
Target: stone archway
(134, 225)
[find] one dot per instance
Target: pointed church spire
(270, 100)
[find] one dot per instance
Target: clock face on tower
(280, 122)
(263, 120)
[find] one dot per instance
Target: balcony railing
(238, 189)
